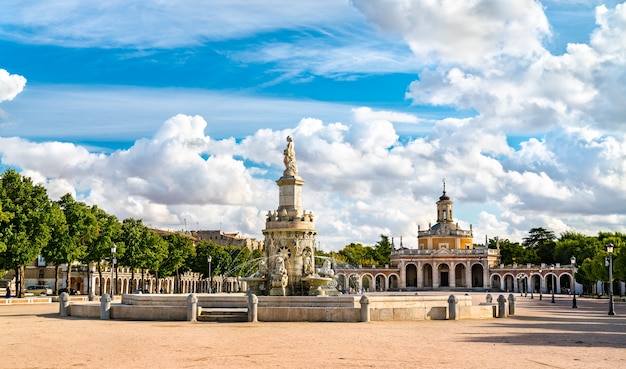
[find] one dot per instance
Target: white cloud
(10, 85)
(149, 24)
(357, 191)
(465, 32)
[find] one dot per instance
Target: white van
(39, 290)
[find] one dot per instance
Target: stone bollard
(253, 305)
(105, 306)
(365, 309)
(511, 304)
(502, 310)
(489, 300)
(453, 308)
(64, 304)
(192, 307)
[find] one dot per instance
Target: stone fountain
(288, 268)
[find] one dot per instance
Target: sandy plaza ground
(541, 335)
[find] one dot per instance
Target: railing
(478, 251)
(447, 232)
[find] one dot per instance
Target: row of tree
(357, 254)
(542, 246)
(68, 232)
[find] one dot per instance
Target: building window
(41, 273)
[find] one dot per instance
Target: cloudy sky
(177, 112)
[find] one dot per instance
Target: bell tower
(444, 207)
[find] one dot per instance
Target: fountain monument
(288, 268)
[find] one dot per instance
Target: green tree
(382, 251)
(108, 231)
(220, 260)
(27, 230)
(244, 262)
(5, 216)
(543, 242)
(200, 263)
(512, 252)
(53, 251)
(180, 251)
(618, 240)
(81, 229)
(356, 254)
(154, 251)
(575, 244)
(130, 255)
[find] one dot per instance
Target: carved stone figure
(291, 168)
(326, 270)
(309, 269)
(279, 268)
(262, 269)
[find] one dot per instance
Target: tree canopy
(25, 228)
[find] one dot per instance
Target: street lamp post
(526, 286)
(553, 281)
(113, 261)
(540, 285)
(91, 270)
(573, 261)
(609, 249)
(208, 260)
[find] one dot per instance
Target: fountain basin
(315, 285)
(256, 285)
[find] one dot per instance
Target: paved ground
(541, 335)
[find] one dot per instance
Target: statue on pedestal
(291, 168)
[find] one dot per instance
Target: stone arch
(341, 282)
(509, 282)
(535, 282)
(496, 281)
(443, 271)
(522, 282)
(354, 282)
(552, 283)
(477, 275)
(367, 283)
(459, 275)
(411, 275)
(566, 281)
(379, 282)
(427, 275)
(393, 281)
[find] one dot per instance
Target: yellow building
(446, 255)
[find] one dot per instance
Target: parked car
(70, 291)
(39, 290)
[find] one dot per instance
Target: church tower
(445, 234)
(444, 207)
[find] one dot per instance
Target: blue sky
(177, 113)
